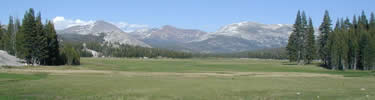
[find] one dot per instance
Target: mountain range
(100, 31)
(237, 37)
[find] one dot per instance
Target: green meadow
(184, 79)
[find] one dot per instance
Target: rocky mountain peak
(168, 27)
(111, 33)
(234, 37)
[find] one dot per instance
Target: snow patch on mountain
(168, 33)
(266, 34)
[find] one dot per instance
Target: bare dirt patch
(53, 71)
(200, 74)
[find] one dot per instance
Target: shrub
(69, 55)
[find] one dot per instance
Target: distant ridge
(101, 29)
(236, 37)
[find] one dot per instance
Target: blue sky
(207, 15)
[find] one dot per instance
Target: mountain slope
(224, 44)
(100, 31)
(244, 36)
(267, 35)
(168, 34)
(169, 37)
(237, 37)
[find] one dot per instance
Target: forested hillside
(123, 50)
(269, 53)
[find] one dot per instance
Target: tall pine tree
(41, 41)
(17, 26)
(371, 48)
(53, 44)
(6, 39)
(293, 45)
(29, 34)
(303, 39)
(363, 41)
(325, 29)
(10, 35)
(21, 49)
(337, 46)
(310, 43)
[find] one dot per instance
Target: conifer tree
(17, 26)
(53, 44)
(371, 48)
(363, 41)
(325, 29)
(10, 35)
(6, 40)
(350, 42)
(345, 26)
(292, 47)
(310, 43)
(21, 50)
(303, 39)
(41, 42)
(336, 44)
(354, 44)
(332, 46)
(29, 34)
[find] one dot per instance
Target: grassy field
(185, 79)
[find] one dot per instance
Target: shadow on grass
(326, 67)
(328, 70)
(349, 72)
(12, 77)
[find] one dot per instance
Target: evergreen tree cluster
(8, 35)
(266, 53)
(349, 45)
(33, 41)
(123, 50)
(301, 43)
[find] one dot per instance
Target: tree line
(35, 42)
(266, 53)
(107, 49)
(349, 45)
(123, 50)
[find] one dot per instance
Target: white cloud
(58, 18)
(62, 23)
